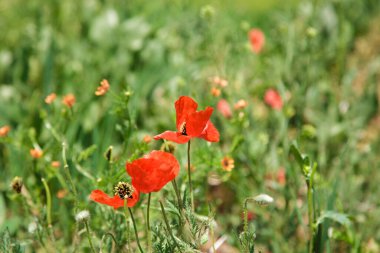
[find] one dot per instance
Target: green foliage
(321, 56)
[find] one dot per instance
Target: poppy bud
(108, 153)
(168, 147)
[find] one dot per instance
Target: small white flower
(263, 199)
(82, 216)
(32, 227)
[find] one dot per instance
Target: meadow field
(190, 126)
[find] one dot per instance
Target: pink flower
(224, 108)
(273, 99)
(257, 39)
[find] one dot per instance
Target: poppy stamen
(123, 190)
(183, 129)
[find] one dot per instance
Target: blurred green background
(322, 56)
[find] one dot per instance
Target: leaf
(340, 218)
(86, 153)
(297, 154)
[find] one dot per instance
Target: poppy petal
(115, 201)
(173, 136)
(153, 171)
(210, 133)
(197, 121)
(184, 106)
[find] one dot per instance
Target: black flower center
(182, 129)
(123, 190)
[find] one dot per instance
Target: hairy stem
(168, 226)
(189, 172)
(148, 224)
(89, 237)
(134, 225)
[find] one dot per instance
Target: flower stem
(189, 172)
(310, 214)
(245, 212)
(175, 186)
(112, 237)
(168, 226)
(48, 208)
(134, 225)
(67, 171)
(89, 237)
(148, 224)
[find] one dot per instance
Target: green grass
(154, 51)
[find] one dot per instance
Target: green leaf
(297, 154)
(340, 218)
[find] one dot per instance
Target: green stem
(168, 226)
(67, 171)
(48, 201)
(245, 212)
(310, 214)
(89, 237)
(175, 186)
(134, 225)
(48, 208)
(189, 172)
(148, 224)
(112, 237)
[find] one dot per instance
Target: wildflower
(273, 99)
(191, 123)
(69, 100)
(147, 138)
(220, 81)
(122, 191)
(241, 104)
(224, 108)
(32, 227)
(61, 193)
(50, 98)
(4, 130)
(55, 164)
(281, 176)
(228, 163)
(82, 216)
(17, 184)
(36, 153)
(215, 92)
(153, 171)
(103, 88)
(257, 39)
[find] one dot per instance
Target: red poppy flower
(224, 108)
(257, 39)
(191, 123)
(153, 171)
(122, 191)
(273, 99)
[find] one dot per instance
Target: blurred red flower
(273, 99)
(4, 130)
(224, 108)
(257, 39)
(191, 123)
(36, 153)
(121, 191)
(69, 100)
(153, 171)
